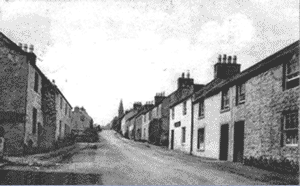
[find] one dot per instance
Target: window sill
(200, 117)
(200, 150)
(241, 102)
(291, 145)
(224, 110)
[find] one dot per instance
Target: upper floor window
(225, 99)
(173, 113)
(150, 115)
(292, 73)
(201, 109)
(240, 93)
(184, 108)
(36, 82)
(61, 102)
(66, 109)
(290, 128)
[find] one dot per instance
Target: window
(201, 109)
(36, 82)
(60, 129)
(183, 135)
(34, 115)
(70, 112)
(157, 111)
(144, 133)
(173, 113)
(184, 108)
(200, 144)
(290, 128)
(66, 109)
(61, 102)
(240, 93)
(292, 75)
(150, 115)
(225, 99)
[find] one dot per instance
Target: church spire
(121, 109)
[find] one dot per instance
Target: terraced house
(254, 113)
(181, 114)
(28, 111)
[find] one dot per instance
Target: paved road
(121, 161)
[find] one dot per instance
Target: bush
(281, 165)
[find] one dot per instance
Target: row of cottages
(34, 113)
(245, 114)
(80, 120)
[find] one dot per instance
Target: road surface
(119, 161)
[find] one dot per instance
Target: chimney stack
(188, 74)
(224, 58)
(229, 59)
(31, 48)
(182, 75)
(234, 59)
(53, 81)
(220, 58)
(25, 47)
(20, 45)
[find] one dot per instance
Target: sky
(99, 52)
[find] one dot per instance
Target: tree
(91, 123)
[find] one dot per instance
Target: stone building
(180, 114)
(255, 113)
(127, 115)
(27, 112)
(80, 120)
(63, 115)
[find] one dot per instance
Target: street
(119, 161)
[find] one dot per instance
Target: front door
(238, 148)
(224, 142)
(172, 139)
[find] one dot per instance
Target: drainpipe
(192, 125)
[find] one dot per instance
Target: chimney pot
(25, 47)
(234, 59)
(224, 58)
(53, 81)
(188, 74)
(31, 48)
(182, 75)
(220, 58)
(229, 59)
(20, 45)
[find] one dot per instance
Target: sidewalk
(44, 159)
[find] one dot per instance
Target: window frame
(198, 139)
(296, 74)
(183, 135)
(239, 93)
(34, 120)
(201, 109)
(173, 112)
(225, 100)
(36, 82)
(184, 108)
(290, 130)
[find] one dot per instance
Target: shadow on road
(12, 177)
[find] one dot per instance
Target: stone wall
(13, 83)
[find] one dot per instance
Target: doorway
(172, 139)
(224, 142)
(238, 148)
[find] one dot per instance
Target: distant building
(80, 120)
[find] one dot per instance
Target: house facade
(180, 114)
(255, 113)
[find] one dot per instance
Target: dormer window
(292, 75)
